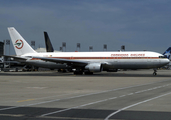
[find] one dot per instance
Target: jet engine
(94, 67)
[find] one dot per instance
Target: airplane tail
(49, 47)
(20, 45)
(1, 59)
(167, 53)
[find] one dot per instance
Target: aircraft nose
(167, 61)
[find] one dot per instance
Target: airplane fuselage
(110, 60)
(87, 62)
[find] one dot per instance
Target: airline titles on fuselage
(127, 55)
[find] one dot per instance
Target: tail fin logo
(167, 53)
(19, 44)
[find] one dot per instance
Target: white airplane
(87, 62)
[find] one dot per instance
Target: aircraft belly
(132, 64)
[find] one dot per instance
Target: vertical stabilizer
(20, 45)
(167, 52)
(49, 47)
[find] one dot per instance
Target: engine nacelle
(94, 67)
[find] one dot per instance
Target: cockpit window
(164, 56)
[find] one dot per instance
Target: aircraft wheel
(154, 73)
(64, 71)
(78, 73)
(59, 70)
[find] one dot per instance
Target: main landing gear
(155, 72)
(81, 71)
(78, 72)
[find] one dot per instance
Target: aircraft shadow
(100, 74)
(34, 113)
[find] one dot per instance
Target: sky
(137, 24)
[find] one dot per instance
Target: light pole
(78, 46)
(64, 45)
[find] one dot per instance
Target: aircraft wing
(15, 57)
(59, 60)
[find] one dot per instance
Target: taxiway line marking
(112, 114)
(82, 95)
(69, 118)
(12, 115)
(8, 108)
(122, 96)
(78, 106)
(79, 96)
(130, 94)
(63, 110)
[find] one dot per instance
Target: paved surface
(125, 95)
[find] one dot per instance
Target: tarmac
(49, 95)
